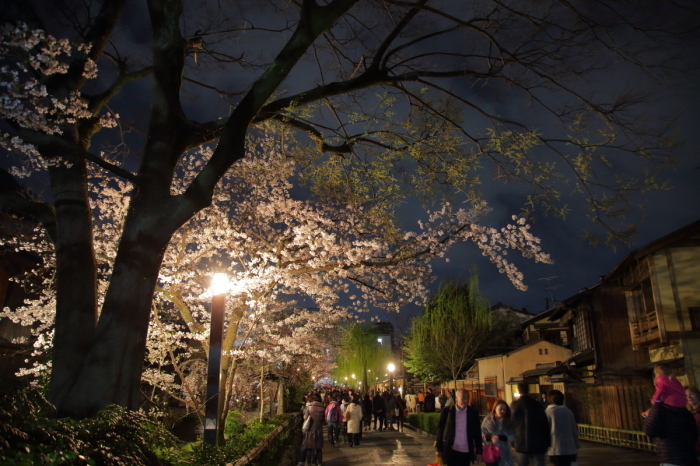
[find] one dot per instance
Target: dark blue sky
(577, 264)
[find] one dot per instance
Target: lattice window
(582, 339)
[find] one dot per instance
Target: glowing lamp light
(219, 287)
(391, 367)
(219, 284)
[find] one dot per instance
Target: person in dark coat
(367, 405)
(675, 432)
(379, 411)
(531, 427)
(430, 401)
(313, 441)
(458, 435)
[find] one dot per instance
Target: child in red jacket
(669, 389)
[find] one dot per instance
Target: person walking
(430, 401)
(411, 402)
(497, 429)
(442, 399)
(379, 411)
(458, 435)
(344, 426)
(675, 433)
(367, 405)
(401, 409)
(353, 416)
(313, 441)
(303, 451)
(334, 416)
(390, 403)
(563, 430)
(451, 399)
(531, 428)
(420, 399)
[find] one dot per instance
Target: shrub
(116, 436)
(427, 422)
(30, 435)
(241, 439)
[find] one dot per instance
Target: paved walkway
(408, 448)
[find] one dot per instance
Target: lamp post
(219, 286)
(391, 369)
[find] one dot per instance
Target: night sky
(577, 264)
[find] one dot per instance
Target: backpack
(333, 414)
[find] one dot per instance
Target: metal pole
(211, 413)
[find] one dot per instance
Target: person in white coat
(353, 416)
(563, 429)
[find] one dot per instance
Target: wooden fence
(613, 407)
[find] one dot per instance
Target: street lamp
(219, 287)
(391, 367)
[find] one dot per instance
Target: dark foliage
(30, 434)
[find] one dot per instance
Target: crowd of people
(524, 433)
(533, 431)
(347, 414)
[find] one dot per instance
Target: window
(582, 340)
(546, 351)
(564, 337)
(643, 298)
(490, 386)
(540, 351)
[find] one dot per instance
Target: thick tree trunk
(76, 290)
(280, 397)
(111, 371)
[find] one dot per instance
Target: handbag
(491, 454)
(307, 424)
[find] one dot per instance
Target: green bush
(241, 439)
(30, 434)
(427, 422)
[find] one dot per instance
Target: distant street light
(219, 287)
(391, 367)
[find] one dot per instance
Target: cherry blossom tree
(383, 97)
(277, 250)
